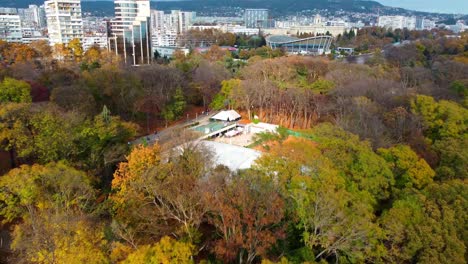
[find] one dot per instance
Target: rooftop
(281, 38)
(233, 157)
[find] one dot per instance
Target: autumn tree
(74, 98)
(119, 90)
(42, 48)
(61, 51)
(334, 222)
(103, 142)
(76, 49)
(159, 84)
(53, 203)
(247, 213)
(216, 53)
(207, 79)
(157, 195)
(12, 53)
(167, 250)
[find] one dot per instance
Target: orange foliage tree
(247, 213)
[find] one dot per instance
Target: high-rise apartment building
(10, 25)
(129, 33)
(183, 20)
(166, 28)
(254, 18)
(33, 16)
(64, 20)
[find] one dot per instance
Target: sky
(440, 6)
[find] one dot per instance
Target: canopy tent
(228, 116)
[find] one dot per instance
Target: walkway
(166, 134)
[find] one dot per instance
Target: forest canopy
(369, 164)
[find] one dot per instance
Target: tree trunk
(12, 158)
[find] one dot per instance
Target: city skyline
(456, 6)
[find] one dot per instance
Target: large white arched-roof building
(307, 46)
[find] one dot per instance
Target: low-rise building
(168, 52)
(91, 41)
(241, 30)
(397, 22)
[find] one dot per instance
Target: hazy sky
(441, 6)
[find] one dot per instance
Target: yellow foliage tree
(76, 48)
(166, 251)
(139, 161)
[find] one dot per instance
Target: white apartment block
(459, 27)
(157, 20)
(33, 16)
(10, 25)
(397, 22)
(428, 24)
(184, 19)
(91, 41)
(242, 30)
(166, 28)
(64, 21)
(253, 18)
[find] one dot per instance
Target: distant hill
(276, 6)
(280, 6)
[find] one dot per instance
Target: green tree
(362, 168)
(453, 161)
(102, 142)
(13, 120)
(322, 86)
(408, 169)
(425, 230)
(460, 87)
(224, 97)
(175, 109)
(40, 136)
(15, 91)
(45, 133)
(441, 119)
(335, 223)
